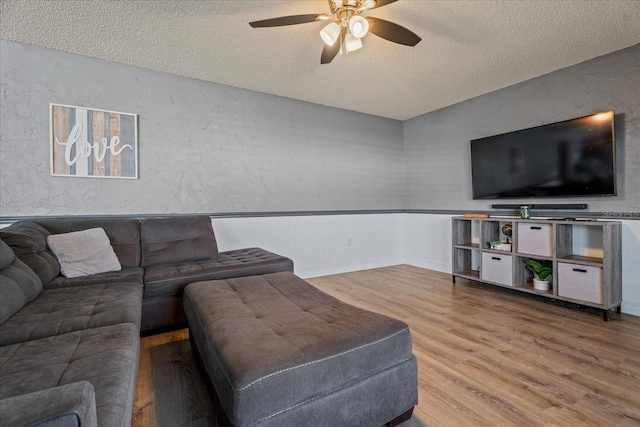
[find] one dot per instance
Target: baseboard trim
(631, 307)
(311, 272)
(434, 266)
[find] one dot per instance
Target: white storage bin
(497, 268)
(580, 282)
(535, 239)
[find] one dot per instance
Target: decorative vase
(541, 285)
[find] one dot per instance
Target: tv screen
(570, 158)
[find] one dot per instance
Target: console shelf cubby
(585, 255)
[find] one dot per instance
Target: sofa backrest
(177, 239)
(123, 233)
(136, 242)
(18, 283)
(29, 242)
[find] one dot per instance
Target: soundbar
(554, 206)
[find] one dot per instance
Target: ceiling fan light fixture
(347, 27)
(330, 34)
(352, 43)
(358, 26)
(367, 4)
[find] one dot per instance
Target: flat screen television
(565, 159)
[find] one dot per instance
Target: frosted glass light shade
(330, 33)
(358, 26)
(352, 43)
(368, 4)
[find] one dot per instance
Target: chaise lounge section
(178, 251)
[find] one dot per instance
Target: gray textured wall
(437, 144)
(204, 147)
(211, 148)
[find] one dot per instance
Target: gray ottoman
(280, 352)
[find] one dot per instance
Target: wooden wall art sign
(93, 143)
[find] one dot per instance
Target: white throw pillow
(85, 252)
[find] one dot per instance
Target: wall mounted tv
(570, 158)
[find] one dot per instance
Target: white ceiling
(468, 48)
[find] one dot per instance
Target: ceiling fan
(347, 26)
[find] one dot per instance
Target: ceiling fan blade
(289, 20)
(392, 32)
(380, 3)
(330, 52)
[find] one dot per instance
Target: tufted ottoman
(280, 352)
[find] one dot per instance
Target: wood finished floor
(486, 356)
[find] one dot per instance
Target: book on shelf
(476, 215)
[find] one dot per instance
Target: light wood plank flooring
(487, 356)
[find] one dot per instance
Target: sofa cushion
(177, 239)
(18, 283)
(62, 310)
(85, 252)
(106, 357)
(29, 242)
(131, 274)
(68, 405)
(124, 234)
(7, 256)
(167, 280)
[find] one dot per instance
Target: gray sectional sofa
(69, 346)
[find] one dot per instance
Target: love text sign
(93, 143)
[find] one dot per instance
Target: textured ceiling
(468, 48)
